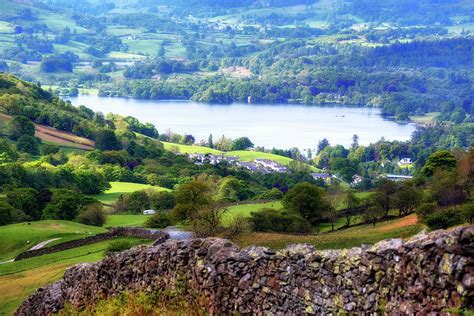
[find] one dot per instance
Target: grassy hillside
(347, 238)
(22, 278)
(117, 188)
(187, 149)
(20, 237)
(244, 155)
(125, 220)
(244, 210)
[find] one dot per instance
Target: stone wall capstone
(428, 273)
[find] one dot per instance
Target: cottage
(326, 177)
(405, 162)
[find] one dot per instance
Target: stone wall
(113, 233)
(428, 273)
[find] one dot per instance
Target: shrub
(445, 218)
(28, 144)
(118, 246)
(425, 210)
(93, 215)
(468, 212)
(159, 220)
(270, 220)
(273, 194)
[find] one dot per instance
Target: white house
(405, 162)
(149, 212)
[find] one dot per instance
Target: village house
(405, 162)
(326, 177)
(272, 165)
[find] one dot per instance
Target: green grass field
(126, 220)
(22, 278)
(347, 238)
(186, 149)
(244, 210)
(110, 196)
(244, 155)
(20, 237)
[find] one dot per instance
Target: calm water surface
(279, 125)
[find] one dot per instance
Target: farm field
(58, 137)
(187, 149)
(244, 210)
(126, 220)
(347, 238)
(20, 279)
(110, 196)
(20, 237)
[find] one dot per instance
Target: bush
(273, 194)
(270, 220)
(93, 215)
(118, 246)
(425, 210)
(28, 144)
(446, 218)
(159, 220)
(468, 212)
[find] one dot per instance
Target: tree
(210, 142)
(188, 139)
(137, 202)
(223, 144)
(49, 149)
(190, 198)
(241, 143)
(322, 144)
(233, 190)
(355, 142)
(6, 213)
(65, 205)
(350, 201)
(93, 215)
(442, 159)
(159, 220)
(7, 152)
(407, 199)
(90, 182)
(383, 195)
(307, 200)
(28, 144)
(19, 126)
(105, 139)
(26, 200)
(161, 200)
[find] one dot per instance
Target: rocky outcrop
(112, 233)
(428, 273)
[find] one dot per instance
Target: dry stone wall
(428, 273)
(112, 233)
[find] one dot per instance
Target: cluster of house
(258, 165)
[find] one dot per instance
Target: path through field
(43, 243)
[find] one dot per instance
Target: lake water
(279, 125)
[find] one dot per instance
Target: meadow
(346, 238)
(22, 278)
(118, 188)
(20, 237)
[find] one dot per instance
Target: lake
(270, 125)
